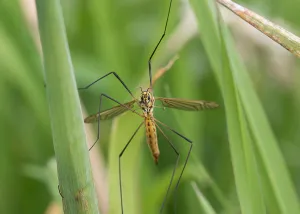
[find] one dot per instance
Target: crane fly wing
(110, 113)
(187, 105)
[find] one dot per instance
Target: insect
(146, 103)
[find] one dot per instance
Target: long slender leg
(99, 110)
(186, 160)
(161, 38)
(116, 75)
(174, 170)
(120, 155)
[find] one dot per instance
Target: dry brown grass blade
(283, 37)
(163, 70)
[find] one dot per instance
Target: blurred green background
(119, 36)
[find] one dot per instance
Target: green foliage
(69, 140)
(241, 103)
(253, 138)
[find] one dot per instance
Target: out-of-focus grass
(119, 35)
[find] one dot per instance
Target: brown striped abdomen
(152, 137)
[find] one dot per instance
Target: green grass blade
(74, 170)
(201, 174)
(244, 164)
(265, 141)
(206, 206)
(122, 130)
(277, 175)
(253, 182)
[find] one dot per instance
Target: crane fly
(146, 103)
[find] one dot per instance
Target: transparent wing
(187, 105)
(109, 113)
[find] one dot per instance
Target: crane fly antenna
(161, 38)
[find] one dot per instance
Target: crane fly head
(147, 100)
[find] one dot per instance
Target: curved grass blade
(264, 139)
(243, 166)
(282, 192)
(242, 153)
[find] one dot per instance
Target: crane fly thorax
(147, 102)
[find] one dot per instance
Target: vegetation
(245, 154)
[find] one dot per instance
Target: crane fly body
(146, 103)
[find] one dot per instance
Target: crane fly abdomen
(152, 137)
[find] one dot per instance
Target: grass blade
(74, 170)
(207, 208)
(247, 105)
(265, 141)
(123, 128)
(283, 37)
(244, 165)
